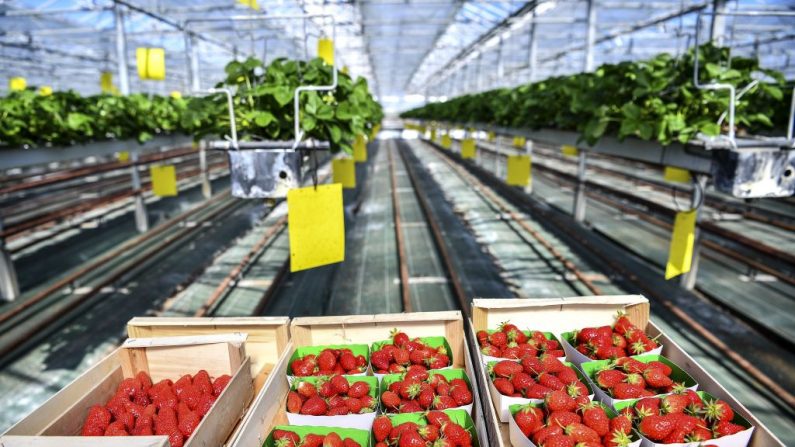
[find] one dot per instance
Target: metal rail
(405, 287)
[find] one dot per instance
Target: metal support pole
(141, 218)
(590, 36)
(478, 71)
(529, 150)
(579, 194)
(9, 287)
(532, 56)
(500, 62)
(688, 279)
(192, 49)
(717, 29)
(121, 50)
(207, 187)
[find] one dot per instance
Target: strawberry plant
(140, 408)
(653, 99)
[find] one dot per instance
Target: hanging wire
(696, 201)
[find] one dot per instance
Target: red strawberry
(381, 427)
(527, 420)
(581, 433)
(380, 360)
(541, 435)
(461, 396)
(559, 441)
(482, 337)
(340, 384)
(116, 429)
(312, 440)
(348, 442)
(443, 403)
(400, 339)
(437, 418)
(656, 428)
(205, 403)
(294, 402)
(390, 400)
(202, 381)
(656, 378)
(306, 389)
(457, 434)
(617, 439)
(326, 360)
(567, 375)
(627, 391)
(97, 421)
(220, 383)
(718, 411)
(506, 368)
(595, 417)
(559, 400)
(563, 418)
(621, 423)
(649, 405)
(188, 420)
(504, 386)
(550, 381)
(348, 361)
(358, 389)
(674, 403)
(332, 440)
(314, 406)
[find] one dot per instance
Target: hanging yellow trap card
(569, 150)
(468, 148)
(164, 180)
(446, 141)
(433, 134)
(250, 3)
(16, 84)
(45, 90)
(106, 80)
(325, 50)
(491, 136)
(519, 142)
(518, 170)
(677, 175)
(151, 63)
(344, 172)
(360, 149)
(123, 156)
(374, 133)
(683, 237)
(316, 226)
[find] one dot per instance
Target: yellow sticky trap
(676, 175)
(106, 80)
(45, 90)
(164, 180)
(345, 69)
(250, 3)
(468, 148)
(433, 134)
(446, 141)
(518, 170)
(491, 137)
(151, 63)
(519, 142)
(374, 133)
(176, 94)
(17, 84)
(569, 150)
(316, 225)
(123, 156)
(359, 149)
(344, 172)
(325, 50)
(680, 254)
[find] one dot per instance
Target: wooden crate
(559, 315)
(268, 407)
(267, 336)
(63, 414)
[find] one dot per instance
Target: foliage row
(652, 100)
(263, 101)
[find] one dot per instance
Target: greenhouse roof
(409, 50)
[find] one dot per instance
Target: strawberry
(348, 361)
(175, 438)
(506, 368)
(332, 440)
(220, 383)
(340, 384)
(348, 442)
(359, 389)
(411, 439)
(655, 427)
(326, 360)
(314, 406)
(609, 378)
(674, 403)
(563, 418)
(390, 400)
(294, 402)
(559, 400)
(621, 423)
(567, 375)
(718, 411)
(443, 403)
(191, 395)
(202, 381)
(656, 378)
(491, 351)
(482, 337)
(457, 434)
(498, 339)
(559, 441)
(382, 425)
(595, 417)
(188, 420)
(461, 396)
(116, 429)
(205, 403)
(400, 339)
(380, 360)
(97, 421)
(306, 389)
(527, 420)
(312, 440)
(617, 439)
(581, 433)
(650, 405)
(627, 391)
(504, 386)
(550, 381)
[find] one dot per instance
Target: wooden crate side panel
(170, 362)
(267, 336)
(40, 418)
(71, 441)
(545, 314)
(266, 410)
(762, 435)
(69, 420)
(217, 425)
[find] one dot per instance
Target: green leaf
(262, 119)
